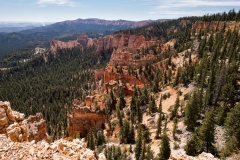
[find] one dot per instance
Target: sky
(135, 10)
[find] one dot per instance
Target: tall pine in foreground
(192, 110)
(232, 126)
(206, 132)
(165, 150)
(159, 121)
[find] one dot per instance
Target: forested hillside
(50, 87)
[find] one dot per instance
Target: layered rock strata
(106, 43)
(83, 119)
(213, 25)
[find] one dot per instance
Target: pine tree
(131, 135)
(151, 106)
(192, 111)
(232, 125)
(175, 127)
(193, 145)
(206, 132)
(149, 153)
(210, 89)
(165, 150)
(119, 117)
(138, 111)
(175, 108)
(143, 150)
(159, 121)
(138, 148)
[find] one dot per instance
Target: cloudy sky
(60, 10)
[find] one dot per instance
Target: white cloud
(197, 3)
(180, 8)
(70, 3)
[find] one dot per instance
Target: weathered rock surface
(18, 129)
(58, 150)
(83, 119)
(201, 25)
(202, 156)
(106, 43)
(37, 128)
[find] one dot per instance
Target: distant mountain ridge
(64, 31)
(78, 24)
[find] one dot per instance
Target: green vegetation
(49, 87)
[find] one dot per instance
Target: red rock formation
(89, 100)
(82, 120)
(106, 43)
(201, 25)
(108, 76)
(98, 74)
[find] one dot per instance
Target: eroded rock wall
(105, 43)
(201, 25)
(18, 129)
(82, 120)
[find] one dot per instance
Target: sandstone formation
(201, 25)
(83, 119)
(202, 156)
(18, 129)
(105, 43)
(58, 150)
(37, 128)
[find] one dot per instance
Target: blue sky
(60, 10)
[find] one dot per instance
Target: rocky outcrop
(183, 156)
(201, 25)
(59, 149)
(37, 128)
(83, 119)
(18, 129)
(108, 76)
(106, 43)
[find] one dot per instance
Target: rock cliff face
(201, 25)
(83, 119)
(18, 129)
(105, 43)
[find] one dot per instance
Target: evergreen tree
(192, 111)
(159, 126)
(159, 121)
(175, 108)
(131, 135)
(210, 89)
(193, 145)
(143, 150)
(175, 127)
(232, 125)
(165, 150)
(206, 132)
(149, 153)
(119, 117)
(138, 148)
